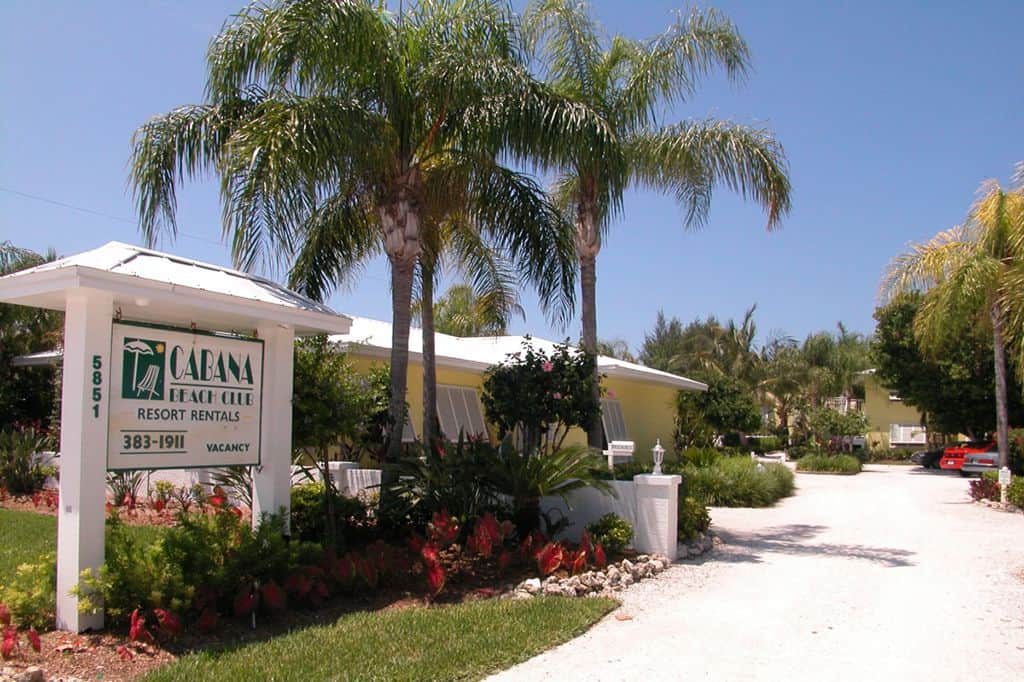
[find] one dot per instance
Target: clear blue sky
(891, 114)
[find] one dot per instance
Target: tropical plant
(626, 81)
(340, 129)
(960, 366)
(976, 271)
(536, 396)
(329, 405)
(124, 487)
(462, 311)
(829, 464)
(21, 472)
(527, 479)
(726, 407)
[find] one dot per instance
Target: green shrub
(768, 444)
(1015, 493)
(134, 575)
(31, 593)
(738, 482)
(800, 451)
(831, 464)
(890, 455)
(700, 457)
(612, 531)
(693, 518)
(624, 471)
(309, 516)
(20, 472)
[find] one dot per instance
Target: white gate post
(657, 514)
(85, 398)
(271, 484)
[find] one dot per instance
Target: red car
(953, 457)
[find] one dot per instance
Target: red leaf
(430, 554)
(169, 621)
(236, 511)
(159, 506)
(10, 644)
(273, 596)
(5, 615)
(487, 526)
(217, 500)
(207, 620)
(33, 639)
(549, 558)
(137, 632)
(443, 528)
(124, 653)
(587, 543)
(342, 569)
(435, 579)
(579, 563)
(297, 585)
(600, 560)
(245, 602)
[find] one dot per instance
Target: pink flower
(547, 365)
(556, 395)
(611, 393)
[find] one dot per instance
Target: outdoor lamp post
(658, 453)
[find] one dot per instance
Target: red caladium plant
(342, 569)
(368, 572)
(124, 653)
(443, 528)
(10, 643)
(137, 631)
(430, 553)
(159, 506)
(168, 621)
(297, 585)
(208, 620)
(416, 543)
(549, 558)
(34, 641)
(579, 562)
(435, 579)
(273, 596)
(5, 615)
(600, 560)
(587, 543)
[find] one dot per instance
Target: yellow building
(639, 402)
(891, 423)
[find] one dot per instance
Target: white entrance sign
(182, 399)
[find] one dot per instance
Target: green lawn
(462, 642)
(24, 536)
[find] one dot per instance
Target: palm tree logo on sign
(142, 369)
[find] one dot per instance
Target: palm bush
(527, 479)
(736, 482)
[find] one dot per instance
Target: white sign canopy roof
(150, 286)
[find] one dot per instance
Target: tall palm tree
(626, 81)
(973, 270)
(336, 126)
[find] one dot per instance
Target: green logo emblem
(142, 369)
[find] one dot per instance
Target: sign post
(1005, 477)
(83, 444)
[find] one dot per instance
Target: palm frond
(925, 265)
(334, 242)
(565, 41)
(670, 67)
(181, 144)
(690, 158)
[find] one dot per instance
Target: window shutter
(613, 421)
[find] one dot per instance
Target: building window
(612, 420)
(907, 434)
(458, 410)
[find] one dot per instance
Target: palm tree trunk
(430, 428)
(401, 299)
(588, 285)
(1002, 421)
(588, 243)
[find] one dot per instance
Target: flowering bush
(539, 397)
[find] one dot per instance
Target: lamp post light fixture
(658, 454)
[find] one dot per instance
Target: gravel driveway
(890, 575)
